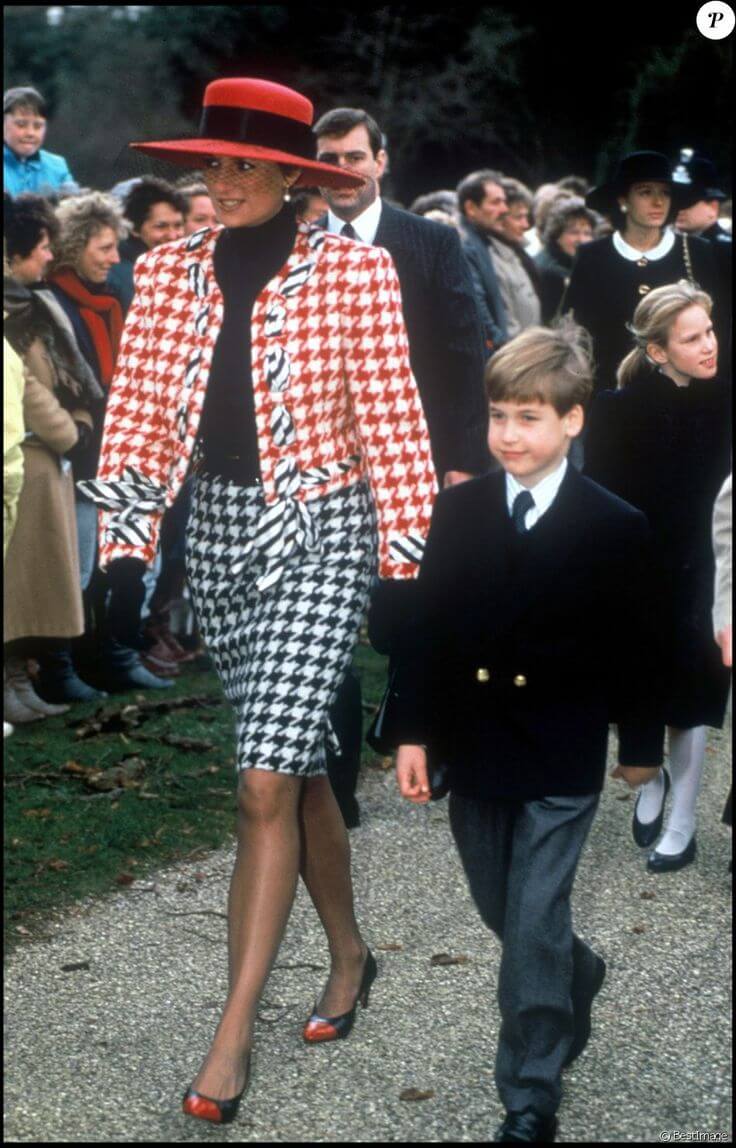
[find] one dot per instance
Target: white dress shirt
(544, 493)
(633, 254)
(365, 226)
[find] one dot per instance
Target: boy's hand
(454, 478)
(636, 775)
(411, 773)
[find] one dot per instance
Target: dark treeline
(535, 91)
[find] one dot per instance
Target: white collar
(633, 254)
(544, 493)
(366, 224)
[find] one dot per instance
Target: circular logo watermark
(716, 20)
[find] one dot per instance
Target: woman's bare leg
(262, 892)
(325, 869)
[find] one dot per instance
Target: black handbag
(383, 738)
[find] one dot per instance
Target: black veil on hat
(247, 118)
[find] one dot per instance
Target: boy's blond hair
(543, 364)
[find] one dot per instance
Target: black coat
(446, 347)
(554, 269)
(667, 450)
(524, 648)
(604, 291)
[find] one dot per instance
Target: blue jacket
(485, 284)
(40, 173)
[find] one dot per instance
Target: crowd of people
(156, 439)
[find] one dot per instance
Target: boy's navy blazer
(523, 648)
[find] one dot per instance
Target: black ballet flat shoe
(216, 1111)
(319, 1029)
(669, 862)
(582, 1009)
(646, 834)
(529, 1127)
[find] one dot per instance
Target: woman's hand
(723, 637)
(411, 773)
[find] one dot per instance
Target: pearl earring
(624, 208)
(287, 194)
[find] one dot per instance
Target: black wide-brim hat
(640, 167)
(259, 120)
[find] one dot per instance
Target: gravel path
(102, 1054)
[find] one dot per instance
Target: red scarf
(102, 316)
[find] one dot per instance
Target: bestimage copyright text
(682, 1136)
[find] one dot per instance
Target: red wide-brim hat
(259, 120)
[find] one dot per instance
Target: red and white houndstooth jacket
(335, 399)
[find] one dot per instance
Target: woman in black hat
(272, 357)
(612, 275)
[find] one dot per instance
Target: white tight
(686, 757)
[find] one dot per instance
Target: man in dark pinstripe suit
(446, 346)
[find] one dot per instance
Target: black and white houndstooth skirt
(281, 633)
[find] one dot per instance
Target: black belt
(239, 469)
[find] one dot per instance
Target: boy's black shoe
(581, 1012)
(528, 1126)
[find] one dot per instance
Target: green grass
(65, 840)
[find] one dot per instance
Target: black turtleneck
(245, 259)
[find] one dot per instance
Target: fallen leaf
(446, 959)
(124, 879)
(37, 813)
(192, 743)
(416, 1094)
(57, 865)
(24, 932)
(623, 797)
(386, 763)
(125, 775)
(74, 767)
(74, 966)
(647, 895)
(639, 929)
(391, 947)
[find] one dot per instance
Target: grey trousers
(520, 859)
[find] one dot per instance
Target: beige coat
(43, 597)
(13, 432)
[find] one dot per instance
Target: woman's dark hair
(561, 213)
(151, 190)
(618, 217)
(517, 192)
(27, 219)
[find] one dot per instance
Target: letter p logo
(716, 20)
